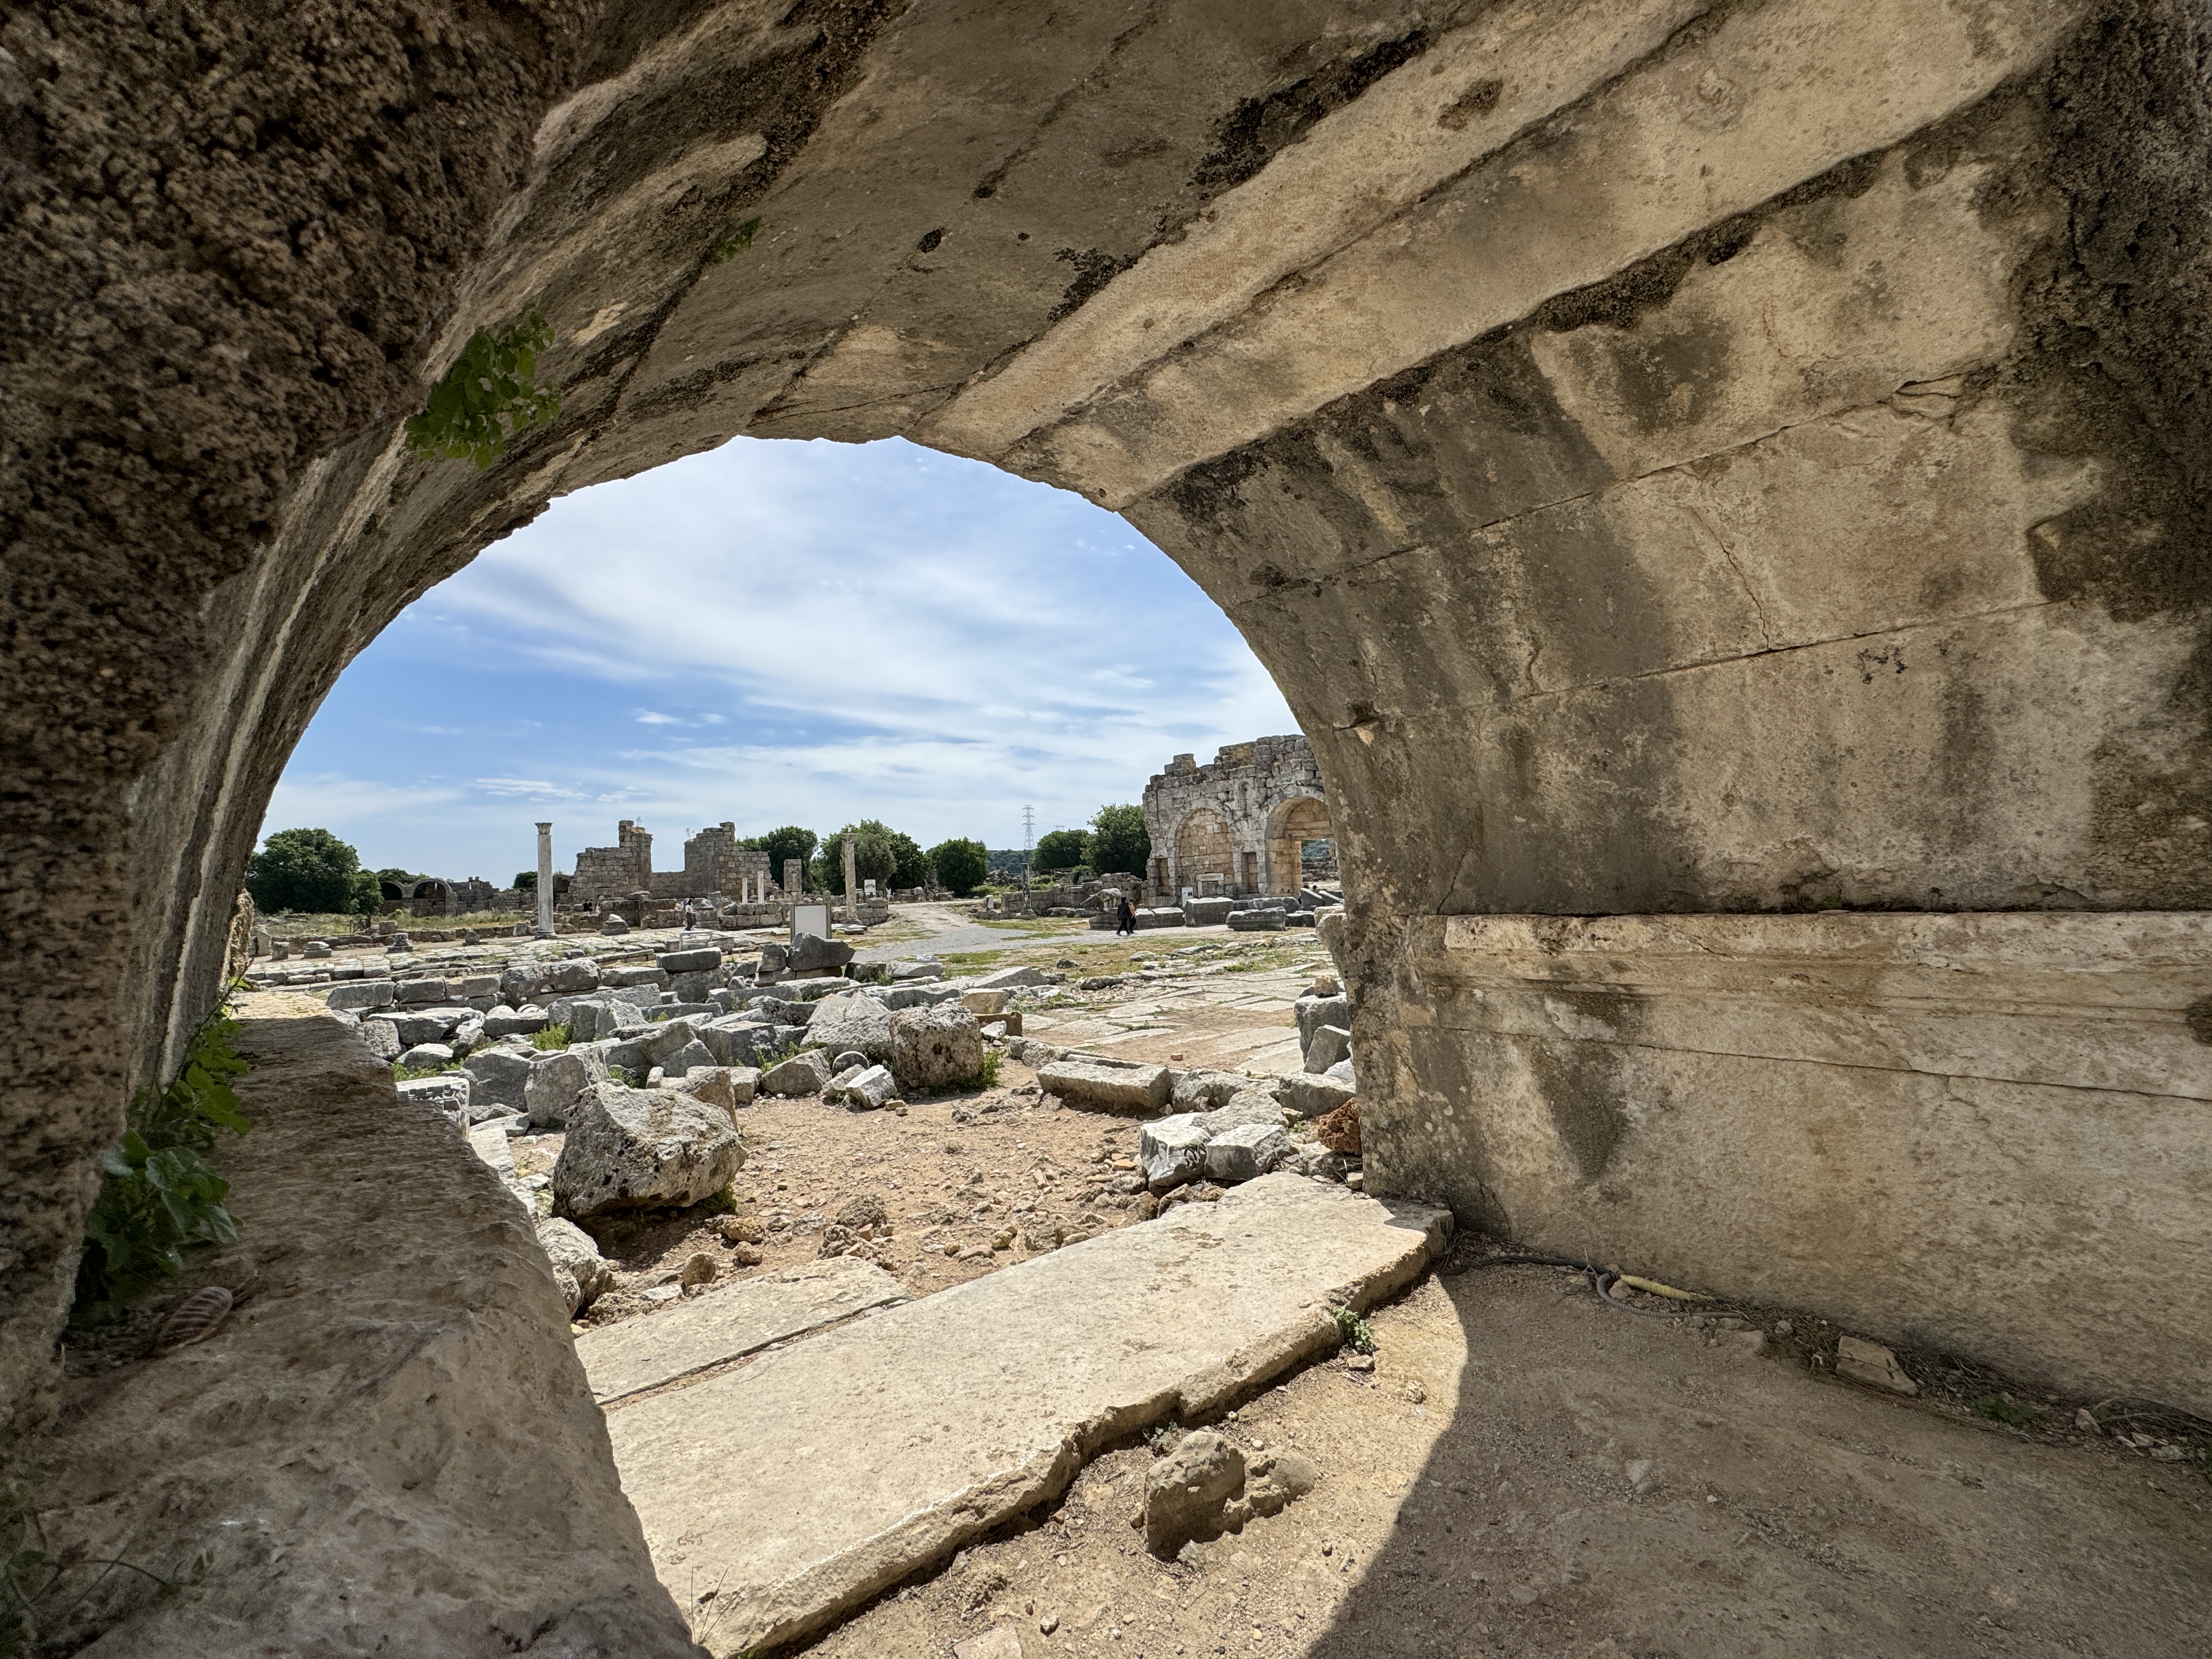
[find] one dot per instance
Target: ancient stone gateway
(1238, 824)
(1720, 485)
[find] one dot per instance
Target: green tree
(961, 866)
(909, 864)
(875, 856)
(1062, 849)
(309, 870)
(789, 842)
(1118, 841)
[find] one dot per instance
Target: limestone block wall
(1218, 827)
(614, 872)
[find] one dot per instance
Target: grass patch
(158, 1195)
(969, 962)
(409, 1073)
(552, 1039)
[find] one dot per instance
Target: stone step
(777, 1495)
(728, 1323)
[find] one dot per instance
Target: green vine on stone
(488, 397)
(158, 1195)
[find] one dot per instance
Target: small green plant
(553, 1037)
(2002, 1408)
(158, 1196)
(619, 1074)
(735, 243)
(489, 396)
(1354, 1329)
(407, 1073)
(987, 1074)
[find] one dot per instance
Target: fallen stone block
(986, 1005)
(807, 954)
(1255, 1103)
(582, 974)
(1330, 1045)
(1255, 922)
(803, 1073)
(413, 993)
(727, 1086)
(500, 1076)
(674, 963)
(382, 1038)
(362, 994)
(635, 1148)
(505, 1022)
(1315, 1010)
(1172, 1152)
(1245, 1153)
(422, 1027)
(729, 1323)
(1099, 1086)
(1202, 1091)
(1310, 1096)
(426, 1056)
(1206, 912)
(935, 1048)
(474, 985)
(447, 1093)
(1008, 979)
(1228, 1295)
(578, 1267)
(852, 1020)
(867, 1091)
(678, 1061)
(919, 970)
(550, 1092)
(1163, 916)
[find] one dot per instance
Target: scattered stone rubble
(665, 1054)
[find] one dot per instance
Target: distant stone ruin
(1252, 821)
(714, 865)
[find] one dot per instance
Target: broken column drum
(1718, 486)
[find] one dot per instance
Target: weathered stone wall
(615, 871)
(1676, 457)
(1223, 819)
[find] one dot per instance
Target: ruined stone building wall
(614, 872)
(1235, 825)
(713, 862)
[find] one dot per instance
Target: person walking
(690, 915)
(1124, 918)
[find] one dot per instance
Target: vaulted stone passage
(1676, 457)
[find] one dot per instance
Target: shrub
(987, 1074)
(551, 1038)
(487, 397)
(961, 866)
(158, 1196)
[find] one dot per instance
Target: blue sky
(776, 633)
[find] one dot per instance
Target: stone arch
(1291, 824)
(1592, 605)
(1205, 852)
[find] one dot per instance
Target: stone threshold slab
(728, 1323)
(778, 1496)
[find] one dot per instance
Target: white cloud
(789, 633)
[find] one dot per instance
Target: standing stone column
(794, 878)
(546, 881)
(852, 884)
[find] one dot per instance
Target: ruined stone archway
(1202, 852)
(1718, 484)
(1290, 827)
